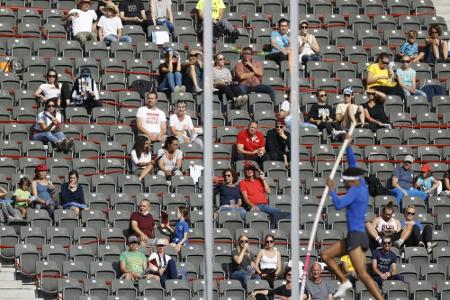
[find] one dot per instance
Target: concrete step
(8, 284)
(7, 275)
(18, 293)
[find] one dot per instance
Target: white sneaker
(342, 289)
(182, 89)
(334, 134)
(177, 89)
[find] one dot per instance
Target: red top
(251, 143)
(255, 191)
(145, 223)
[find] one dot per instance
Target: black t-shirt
(377, 112)
(318, 112)
(282, 291)
(131, 8)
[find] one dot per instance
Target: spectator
(170, 73)
(411, 49)
(110, 26)
(48, 127)
(230, 196)
(179, 234)
(402, 181)
(161, 265)
(436, 49)
(219, 22)
(182, 127)
(278, 146)
(141, 157)
(72, 194)
(285, 113)
(384, 263)
(170, 158)
(83, 22)
(51, 89)
(308, 47)
(8, 212)
(318, 289)
(101, 7)
(406, 77)
(142, 223)
(254, 189)
(348, 268)
(427, 183)
(284, 291)
(223, 81)
(446, 183)
(133, 262)
(249, 74)
(243, 267)
(268, 261)
(150, 120)
(43, 190)
(387, 225)
(279, 40)
(374, 111)
(192, 72)
(22, 196)
(348, 112)
(161, 13)
(132, 12)
(85, 91)
(421, 234)
(322, 115)
(381, 77)
(250, 144)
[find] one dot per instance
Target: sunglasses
(386, 243)
(193, 55)
(50, 105)
(269, 241)
(405, 61)
(385, 63)
(323, 95)
(410, 213)
(435, 32)
(51, 76)
(244, 241)
(407, 162)
(280, 126)
(304, 27)
(289, 274)
(227, 175)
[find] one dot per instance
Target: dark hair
(269, 235)
(282, 20)
(36, 174)
(184, 213)
(169, 141)
(287, 270)
(181, 101)
(24, 180)
(151, 92)
(73, 172)
(56, 84)
(54, 100)
(389, 205)
(139, 145)
(247, 49)
(382, 55)
(233, 174)
(318, 91)
(434, 26)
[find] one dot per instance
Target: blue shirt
(409, 49)
(420, 225)
(406, 76)
(426, 183)
(405, 177)
(282, 41)
(180, 228)
(228, 193)
(356, 200)
(384, 260)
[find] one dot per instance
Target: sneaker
(342, 289)
(182, 89)
(198, 90)
(62, 145)
(177, 89)
(69, 144)
(180, 276)
(238, 102)
(398, 244)
(430, 247)
(334, 134)
(421, 244)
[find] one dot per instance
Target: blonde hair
(412, 34)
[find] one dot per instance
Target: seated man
(316, 286)
(279, 143)
(150, 120)
(254, 189)
(249, 73)
(161, 265)
(280, 42)
(83, 22)
(384, 263)
(387, 225)
(192, 72)
(402, 181)
(133, 262)
(132, 12)
(142, 223)
(250, 144)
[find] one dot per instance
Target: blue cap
(348, 91)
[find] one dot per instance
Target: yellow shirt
(346, 259)
(375, 70)
(215, 7)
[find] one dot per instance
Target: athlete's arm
(351, 159)
(344, 201)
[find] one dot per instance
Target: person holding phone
(243, 260)
(192, 72)
(268, 261)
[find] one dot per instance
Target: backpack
(374, 186)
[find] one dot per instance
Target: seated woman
(243, 262)
(268, 262)
(160, 265)
(421, 235)
(381, 77)
(348, 112)
(427, 183)
(72, 195)
(374, 111)
(308, 46)
(223, 81)
(50, 89)
(229, 193)
(446, 183)
(436, 48)
(170, 158)
(161, 13)
(170, 73)
(141, 157)
(48, 127)
(193, 72)
(43, 190)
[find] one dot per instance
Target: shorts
(356, 239)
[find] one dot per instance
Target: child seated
(411, 49)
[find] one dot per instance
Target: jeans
(169, 273)
(379, 281)
(411, 192)
(53, 137)
(264, 89)
(240, 210)
(301, 125)
(274, 213)
(170, 81)
(110, 38)
(418, 93)
(166, 23)
(243, 277)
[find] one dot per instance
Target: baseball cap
(132, 239)
(85, 72)
(408, 158)
(304, 22)
(425, 168)
(161, 242)
(41, 168)
(348, 91)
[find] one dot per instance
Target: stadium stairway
(443, 7)
(11, 289)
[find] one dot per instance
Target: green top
(22, 195)
(135, 261)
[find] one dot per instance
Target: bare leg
(373, 233)
(328, 255)
(406, 233)
(193, 77)
(436, 51)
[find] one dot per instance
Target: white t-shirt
(170, 161)
(145, 158)
(186, 124)
(286, 106)
(50, 90)
(161, 261)
(342, 107)
(82, 23)
(42, 118)
(151, 118)
(110, 25)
